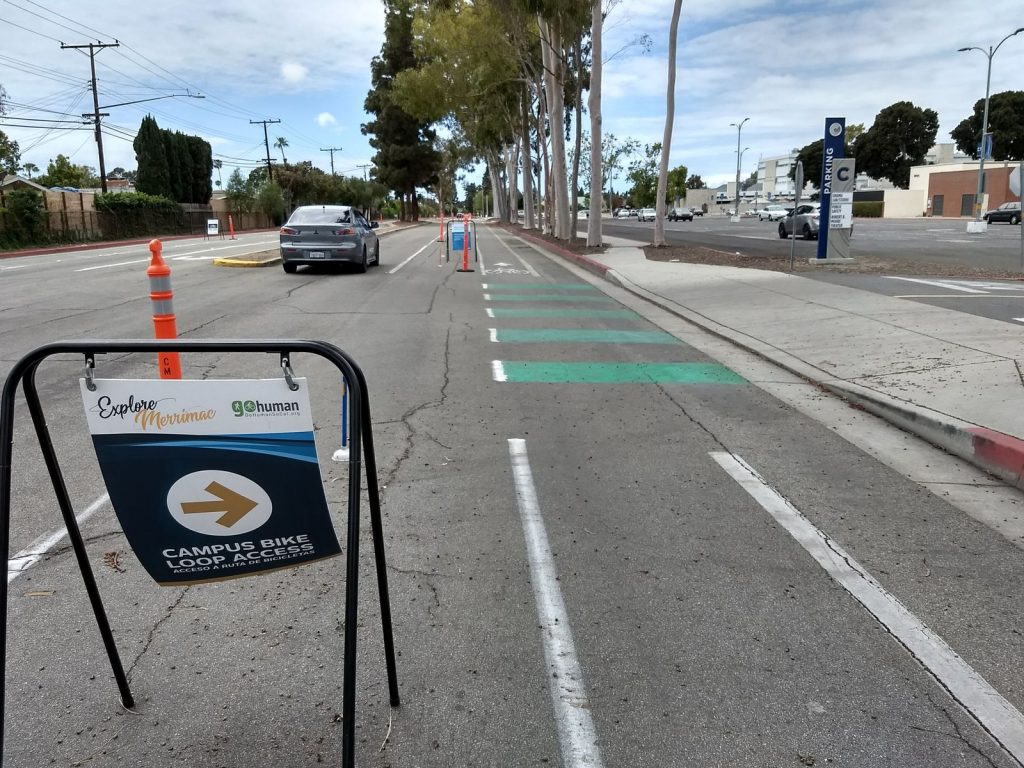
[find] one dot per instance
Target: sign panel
(212, 227)
(840, 215)
(211, 480)
(833, 148)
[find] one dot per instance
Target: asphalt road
(931, 241)
(590, 537)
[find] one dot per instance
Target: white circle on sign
(835, 129)
(218, 503)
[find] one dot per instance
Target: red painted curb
(998, 449)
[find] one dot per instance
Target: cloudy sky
(785, 65)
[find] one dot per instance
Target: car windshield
(321, 215)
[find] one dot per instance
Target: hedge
(869, 210)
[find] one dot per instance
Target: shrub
(134, 202)
(872, 209)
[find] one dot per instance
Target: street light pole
(739, 129)
(984, 120)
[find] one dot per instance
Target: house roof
(14, 181)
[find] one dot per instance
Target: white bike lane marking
(30, 555)
(576, 734)
(421, 250)
(985, 704)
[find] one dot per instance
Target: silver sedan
(318, 234)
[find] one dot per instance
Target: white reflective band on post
(163, 307)
(160, 284)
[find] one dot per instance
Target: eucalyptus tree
(666, 142)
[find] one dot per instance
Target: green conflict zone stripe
(599, 335)
(545, 297)
(613, 373)
(538, 287)
(559, 312)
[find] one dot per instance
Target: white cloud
(325, 119)
(293, 72)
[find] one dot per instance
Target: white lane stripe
(995, 714)
(490, 312)
(1017, 319)
(22, 561)
(108, 266)
(522, 261)
(421, 250)
(949, 286)
(576, 733)
(498, 370)
(494, 334)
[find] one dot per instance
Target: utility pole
(364, 167)
(332, 150)
(266, 143)
(96, 114)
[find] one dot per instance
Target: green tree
(30, 168)
(240, 194)
(153, 174)
(643, 172)
(695, 182)
(405, 157)
(61, 172)
(26, 215)
(1005, 121)
(677, 183)
(898, 139)
(270, 201)
(10, 155)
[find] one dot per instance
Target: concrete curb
(994, 452)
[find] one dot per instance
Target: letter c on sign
(843, 174)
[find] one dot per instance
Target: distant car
(772, 212)
(697, 211)
(335, 234)
(624, 213)
(680, 214)
(1008, 212)
(805, 222)
(647, 214)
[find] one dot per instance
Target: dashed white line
(421, 250)
(937, 283)
(995, 714)
(576, 734)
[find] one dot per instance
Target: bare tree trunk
(594, 105)
(666, 141)
(574, 200)
(500, 204)
(527, 155)
(512, 176)
(554, 74)
(542, 142)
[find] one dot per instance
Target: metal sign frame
(449, 236)
(24, 371)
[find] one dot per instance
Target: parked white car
(772, 212)
(647, 214)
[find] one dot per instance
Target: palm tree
(218, 164)
(666, 143)
(281, 143)
(30, 168)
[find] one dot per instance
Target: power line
(332, 150)
(94, 48)
(266, 143)
(8, 21)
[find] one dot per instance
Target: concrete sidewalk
(955, 379)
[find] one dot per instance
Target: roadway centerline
(984, 703)
(30, 555)
(576, 733)
(421, 250)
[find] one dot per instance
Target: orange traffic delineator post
(165, 325)
(465, 244)
(231, 226)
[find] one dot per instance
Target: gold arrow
(234, 505)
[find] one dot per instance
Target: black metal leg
(75, 535)
(377, 529)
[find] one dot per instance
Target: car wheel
(288, 267)
(1015, 219)
(362, 264)
(808, 235)
(376, 255)
(782, 231)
